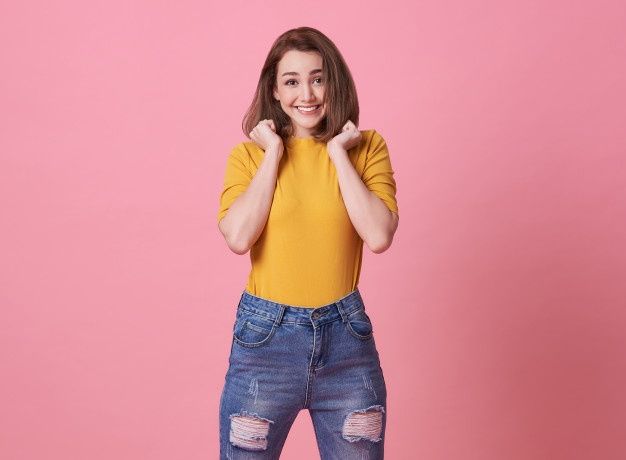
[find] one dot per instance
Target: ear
(275, 93)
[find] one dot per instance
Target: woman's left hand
(349, 137)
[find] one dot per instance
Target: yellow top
(309, 253)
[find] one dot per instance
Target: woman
(303, 195)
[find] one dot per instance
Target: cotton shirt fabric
(309, 253)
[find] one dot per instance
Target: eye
(287, 83)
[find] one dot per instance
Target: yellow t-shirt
(309, 253)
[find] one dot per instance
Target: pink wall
(499, 310)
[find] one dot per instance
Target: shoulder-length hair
(339, 93)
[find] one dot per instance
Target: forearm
(370, 216)
(246, 218)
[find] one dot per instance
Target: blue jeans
(286, 358)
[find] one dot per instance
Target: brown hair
(340, 92)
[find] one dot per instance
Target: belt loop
(279, 316)
(344, 317)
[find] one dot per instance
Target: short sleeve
(236, 179)
(378, 173)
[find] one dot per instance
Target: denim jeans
(286, 358)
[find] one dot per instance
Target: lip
(312, 112)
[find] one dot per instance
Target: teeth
(308, 109)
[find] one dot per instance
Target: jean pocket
(252, 330)
(359, 324)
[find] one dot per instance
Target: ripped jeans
(286, 358)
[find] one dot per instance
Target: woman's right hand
(264, 135)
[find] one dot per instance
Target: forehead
(301, 62)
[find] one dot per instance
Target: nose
(307, 93)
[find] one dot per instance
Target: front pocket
(359, 324)
(252, 330)
(254, 327)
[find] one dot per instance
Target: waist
(283, 312)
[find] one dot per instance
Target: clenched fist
(264, 135)
(349, 137)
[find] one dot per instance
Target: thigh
(348, 404)
(344, 434)
(262, 393)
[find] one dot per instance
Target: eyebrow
(296, 73)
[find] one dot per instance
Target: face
(299, 86)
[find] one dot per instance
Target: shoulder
(371, 139)
(369, 133)
(247, 151)
(246, 148)
(372, 143)
(246, 155)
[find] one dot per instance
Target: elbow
(234, 243)
(383, 241)
(379, 243)
(380, 246)
(237, 247)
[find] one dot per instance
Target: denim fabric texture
(287, 358)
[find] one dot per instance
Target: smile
(308, 109)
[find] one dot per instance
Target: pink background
(499, 309)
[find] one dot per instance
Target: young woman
(303, 195)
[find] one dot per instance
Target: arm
(244, 222)
(375, 223)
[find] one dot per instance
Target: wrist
(276, 147)
(334, 150)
